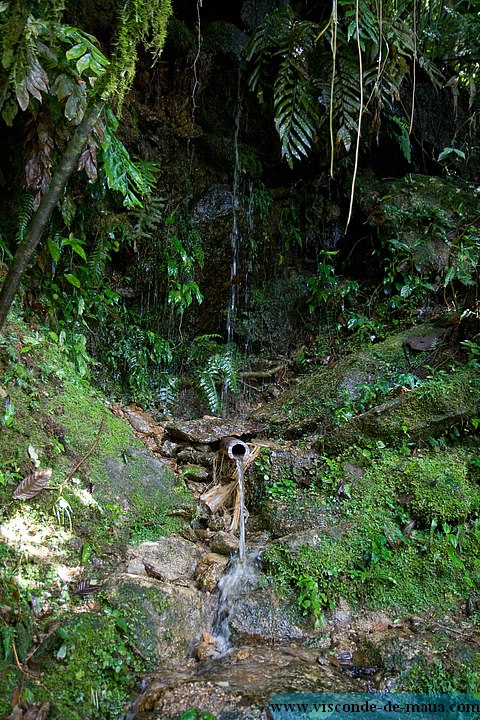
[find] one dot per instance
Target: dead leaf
(38, 712)
(85, 588)
(25, 711)
(17, 694)
(32, 485)
(151, 572)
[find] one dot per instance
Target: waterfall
(240, 579)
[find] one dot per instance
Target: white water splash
(240, 579)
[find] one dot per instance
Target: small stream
(254, 644)
(238, 681)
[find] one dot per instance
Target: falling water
(240, 475)
(235, 236)
(241, 573)
(240, 579)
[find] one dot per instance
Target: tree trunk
(40, 219)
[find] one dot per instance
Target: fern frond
(266, 39)
(221, 369)
(296, 115)
(99, 257)
(283, 36)
(167, 392)
(24, 217)
(206, 381)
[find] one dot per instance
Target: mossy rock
(321, 400)
(365, 555)
(162, 618)
(440, 488)
(155, 501)
(296, 514)
(428, 411)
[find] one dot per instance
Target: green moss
(438, 676)
(151, 520)
(368, 559)
(93, 669)
(140, 607)
(440, 487)
(11, 678)
(442, 403)
(329, 396)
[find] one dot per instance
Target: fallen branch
(262, 374)
(27, 673)
(85, 457)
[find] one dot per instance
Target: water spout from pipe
(239, 451)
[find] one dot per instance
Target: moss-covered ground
(408, 532)
(75, 651)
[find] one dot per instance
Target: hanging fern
(355, 64)
(295, 113)
(283, 36)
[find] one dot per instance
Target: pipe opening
(236, 449)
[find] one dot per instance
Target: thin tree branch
(85, 457)
(48, 203)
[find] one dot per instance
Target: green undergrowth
(441, 675)
(91, 666)
(406, 532)
(332, 396)
(77, 531)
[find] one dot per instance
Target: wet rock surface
(239, 684)
(209, 571)
(223, 543)
(208, 431)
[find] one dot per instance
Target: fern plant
(315, 75)
(221, 371)
(24, 216)
(282, 36)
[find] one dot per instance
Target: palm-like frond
(288, 42)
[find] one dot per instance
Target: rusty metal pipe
(235, 448)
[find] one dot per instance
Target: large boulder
(163, 618)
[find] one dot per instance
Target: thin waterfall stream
(235, 235)
(239, 461)
(241, 572)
